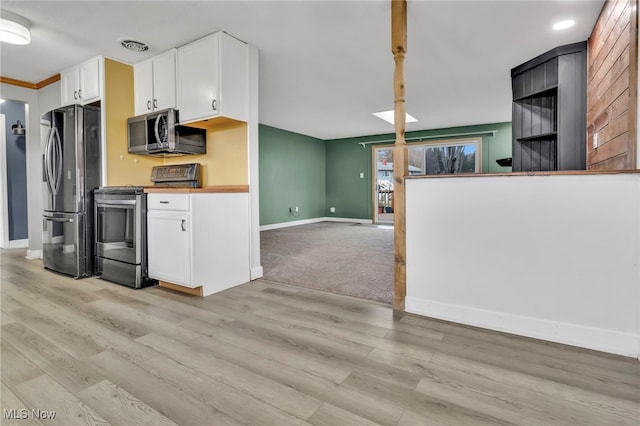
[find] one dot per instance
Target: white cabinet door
(82, 84)
(90, 80)
(70, 83)
(143, 87)
(164, 81)
(155, 83)
(198, 79)
(169, 246)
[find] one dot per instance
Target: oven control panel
(186, 175)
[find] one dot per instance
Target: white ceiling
(325, 66)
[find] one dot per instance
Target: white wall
(551, 257)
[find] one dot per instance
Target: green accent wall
(346, 158)
(298, 170)
(292, 173)
(346, 191)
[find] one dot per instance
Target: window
(450, 157)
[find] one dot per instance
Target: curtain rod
(420, 138)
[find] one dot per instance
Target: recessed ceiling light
(14, 29)
(563, 25)
(135, 45)
(388, 116)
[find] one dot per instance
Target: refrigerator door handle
(47, 155)
(50, 161)
(57, 161)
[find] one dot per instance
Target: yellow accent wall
(122, 168)
(226, 160)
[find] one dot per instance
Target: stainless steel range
(121, 224)
(121, 235)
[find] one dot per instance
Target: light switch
(361, 175)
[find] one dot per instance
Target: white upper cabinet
(83, 84)
(155, 83)
(213, 79)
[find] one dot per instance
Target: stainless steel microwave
(159, 134)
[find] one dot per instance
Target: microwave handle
(155, 128)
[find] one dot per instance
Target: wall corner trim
(34, 254)
(256, 273)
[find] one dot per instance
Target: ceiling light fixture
(388, 116)
(14, 29)
(563, 25)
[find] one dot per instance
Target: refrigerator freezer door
(64, 244)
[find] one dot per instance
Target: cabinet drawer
(168, 202)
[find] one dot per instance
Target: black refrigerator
(71, 171)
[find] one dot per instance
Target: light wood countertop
(204, 190)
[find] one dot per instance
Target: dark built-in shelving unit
(549, 110)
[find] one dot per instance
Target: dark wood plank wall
(612, 87)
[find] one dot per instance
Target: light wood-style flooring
(267, 354)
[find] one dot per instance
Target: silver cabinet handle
(155, 103)
(75, 94)
(149, 105)
(213, 104)
(182, 225)
(164, 202)
(80, 93)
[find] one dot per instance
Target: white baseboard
(313, 220)
(611, 341)
(18, 244)
(346, 219)
(34, 254)
(256, 273)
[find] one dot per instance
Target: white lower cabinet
(199, 240)
(170, 241)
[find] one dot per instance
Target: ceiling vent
(136, 46)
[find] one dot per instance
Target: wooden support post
(400, 168)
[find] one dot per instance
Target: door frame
(4, 199)
(374, 182)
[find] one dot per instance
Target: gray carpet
(343, 258)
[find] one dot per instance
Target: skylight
(388, 116)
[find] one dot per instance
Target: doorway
(13, 176)
(383, 184)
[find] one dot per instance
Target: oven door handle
(115, 203)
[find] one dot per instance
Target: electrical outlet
(361, 175)
(332, 209)
(595, 141)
